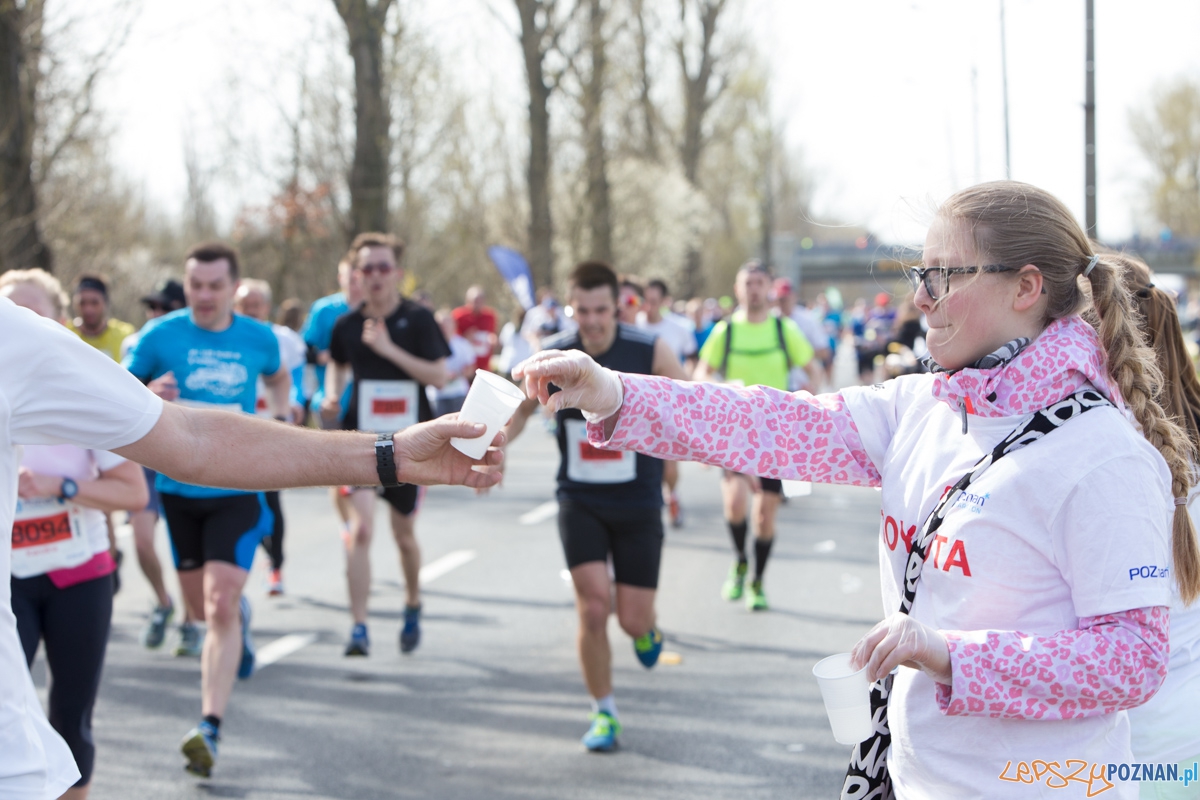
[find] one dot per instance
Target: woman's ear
(1030, 288)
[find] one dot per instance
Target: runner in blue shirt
(207, 356)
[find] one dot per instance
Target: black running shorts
(633, 536)
(204, 529)
(771, 485)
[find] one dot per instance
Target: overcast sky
(879, 96)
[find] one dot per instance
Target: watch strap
(385, 460)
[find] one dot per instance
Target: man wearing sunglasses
(395, 349)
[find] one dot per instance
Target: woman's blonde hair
(1016, 224)
(44, 281)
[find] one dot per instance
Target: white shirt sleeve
(60, 390)
(876, 410)
(1123, 502)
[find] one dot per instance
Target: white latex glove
(594, 390)
(902, 641)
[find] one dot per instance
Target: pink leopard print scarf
(1065, 358)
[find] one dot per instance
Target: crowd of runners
(369, 359)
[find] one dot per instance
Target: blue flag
(515, 271)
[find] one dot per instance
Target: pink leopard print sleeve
(756, 430)
(1111, 663)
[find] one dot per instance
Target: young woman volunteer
(1166, 730)
(1040, 607)
(62, 586)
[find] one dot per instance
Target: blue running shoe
(648, 646)
(410, 636)
(602, 736)
(246, 667)
(200, 749)
(360, 642)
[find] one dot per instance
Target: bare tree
(698, 71)
(598, 193)
(541, 28)
(1168, 134)
(366, 24)
(21, 241)
(649, 114)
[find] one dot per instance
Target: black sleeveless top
(602, 477)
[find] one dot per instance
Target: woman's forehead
(947, 242)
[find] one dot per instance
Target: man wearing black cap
(92, 323)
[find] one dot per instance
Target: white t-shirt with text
(54, 389)
(1053, 532)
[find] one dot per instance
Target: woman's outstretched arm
(756, 430)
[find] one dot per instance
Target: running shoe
(360, 642)
(648, 646)
(676, 513)
(602, 736)
(410, 635)
(735, 583)
(246, 667)
(275, 583)
(200, 749)
(191, 640)
(756, 598)
(156, 627)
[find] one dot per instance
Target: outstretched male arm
(214, 448)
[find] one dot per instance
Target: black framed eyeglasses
(937, 279)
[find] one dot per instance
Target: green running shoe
(602, 736)
(191, 641)
(756, 599)
(732, 590)
(199, 747)
(648, 646)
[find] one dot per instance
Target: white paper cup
(492, 401)
(847, 698)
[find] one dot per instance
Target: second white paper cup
(847, 697)
(492, 401)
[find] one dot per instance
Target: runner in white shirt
(812, 375)
(680, 336)
(1166, 730)
(253, 298)
(57, 390)
(1040, 613)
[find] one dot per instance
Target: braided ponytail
(1135, 370)
(1015, 223)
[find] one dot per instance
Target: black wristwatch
(385, 460)
(69, 489)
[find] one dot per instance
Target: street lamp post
(1089, 122)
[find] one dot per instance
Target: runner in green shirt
(753, 347)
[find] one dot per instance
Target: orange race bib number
(47, 534)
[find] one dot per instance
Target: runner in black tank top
(609, 504)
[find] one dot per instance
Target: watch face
(69, 488)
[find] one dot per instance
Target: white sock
(607, 704)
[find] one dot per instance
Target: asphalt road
(492, 704)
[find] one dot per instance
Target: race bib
(587, 464)
(47, 534)
(387, 406)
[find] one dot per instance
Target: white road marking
(450, 561)
(827, 546)
(282, 647)
(566, 576)
(540, 514)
